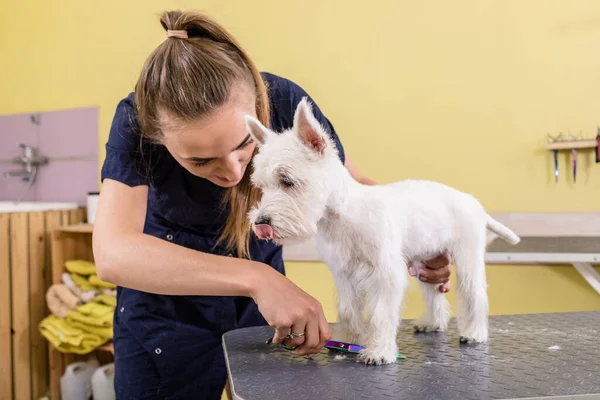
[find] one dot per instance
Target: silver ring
(294, 335)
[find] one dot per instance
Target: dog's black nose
(263, 221)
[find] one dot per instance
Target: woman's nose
(232, 168)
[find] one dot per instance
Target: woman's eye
(199, 163)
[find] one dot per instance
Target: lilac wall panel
(67, 181)
(69, 138)
(70, 133)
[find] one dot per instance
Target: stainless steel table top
(553, 355)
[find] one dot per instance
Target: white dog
(367, 234)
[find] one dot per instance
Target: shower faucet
(29, 162)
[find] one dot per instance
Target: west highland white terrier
(367, 234)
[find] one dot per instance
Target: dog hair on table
(367, 234)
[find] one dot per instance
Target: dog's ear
(257, 130)
(308, 128)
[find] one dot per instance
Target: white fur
(367, 235)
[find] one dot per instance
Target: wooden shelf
(71, 242)
(574, 144)
(79, 228)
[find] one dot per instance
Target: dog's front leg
(351, 327)
(386, 287)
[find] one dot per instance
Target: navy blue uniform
(169, 347)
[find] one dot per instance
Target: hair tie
(177, 34)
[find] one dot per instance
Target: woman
(171, 229)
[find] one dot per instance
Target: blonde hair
(191, 76)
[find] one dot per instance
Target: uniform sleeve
(126, 153)
(296, 93)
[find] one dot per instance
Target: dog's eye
(287, 182)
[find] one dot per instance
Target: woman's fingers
(280, 334)
(435, 271)
(296, 335)
(445, 287)
(296, 317)
(324, 331)
(434, 276)
(310, 340)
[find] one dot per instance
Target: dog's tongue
(264, 231)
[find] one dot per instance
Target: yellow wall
(462, 92)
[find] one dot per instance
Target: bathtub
(34, 206)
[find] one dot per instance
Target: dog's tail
(501, 231)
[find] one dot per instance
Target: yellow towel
(81, 267)
(106, 299)
(83, 283)
(69, 339)
(96, 281)
(96, 330)
(94, 314)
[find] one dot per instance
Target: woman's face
(218, 146)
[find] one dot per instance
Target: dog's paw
(377, 357)
(474, 334)
(422, 326)
(419, 328)
(468, 339)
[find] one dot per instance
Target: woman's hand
(436, 271)
(288, 309)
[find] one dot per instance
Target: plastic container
(103, 383)
(92, 202)
(75, 383)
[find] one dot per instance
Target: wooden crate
(69, 243)
(24, 280)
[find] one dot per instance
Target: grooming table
(528, 356)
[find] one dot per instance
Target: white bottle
(103, 383)
(92, 202)
(75, 384)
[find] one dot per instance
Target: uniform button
(158, 350)
(122, 309)
(169, 237)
